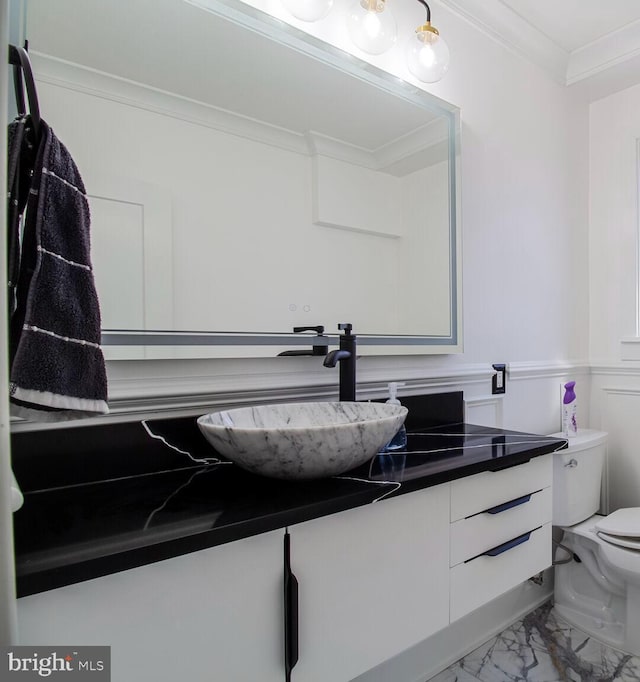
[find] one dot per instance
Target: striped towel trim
(54, 400)
(51, 174)
(82, 342)
(65, 260)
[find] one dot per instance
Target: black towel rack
(19, 58)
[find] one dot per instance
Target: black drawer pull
(290, 612)
(506, 546)
(509, 505)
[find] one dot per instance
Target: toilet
(598, 588)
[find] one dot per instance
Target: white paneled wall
(614, 136)
(619, 410)
(615, 406)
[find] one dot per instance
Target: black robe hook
(19, 58)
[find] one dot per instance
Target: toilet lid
(628, 542)
(623, 522)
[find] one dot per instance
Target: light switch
(498, 381)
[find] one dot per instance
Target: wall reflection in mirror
(247, 178)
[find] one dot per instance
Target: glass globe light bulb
(308, 10)
(427, 55)
(371, 26)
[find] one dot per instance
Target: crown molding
(503, 25)
(605, 53)
(88, 81)
(603, 66)
(422, 147)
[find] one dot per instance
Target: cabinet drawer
(484, 578)
(479, 492)
(478, 533)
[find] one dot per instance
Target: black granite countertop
(94, 506)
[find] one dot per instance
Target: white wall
(524, 193)
(524, 203)
(524, 253)
(524, 220)
(614, 131)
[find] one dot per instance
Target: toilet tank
(577, 477)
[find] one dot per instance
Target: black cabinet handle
(505, 547)
(290, 612)
(509, 505)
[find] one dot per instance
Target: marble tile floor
(543, 648)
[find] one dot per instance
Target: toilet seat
(621, 528)
(627, 542)
(624, 522)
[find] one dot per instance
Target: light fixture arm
(426, 6)
(427, 24)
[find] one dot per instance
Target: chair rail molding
(626, 369)
(143, 389)
(531, 370)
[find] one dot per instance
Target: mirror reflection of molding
(251, 190)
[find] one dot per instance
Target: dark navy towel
(57, 366)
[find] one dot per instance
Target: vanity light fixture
(427, 52)
(371, 26)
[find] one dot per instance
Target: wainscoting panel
(484, 410)
(620, 409)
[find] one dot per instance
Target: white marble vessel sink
(302, 440)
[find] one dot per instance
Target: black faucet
(346, 356)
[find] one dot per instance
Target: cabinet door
(373, 581)
(211, 615)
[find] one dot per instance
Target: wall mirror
(245, 178)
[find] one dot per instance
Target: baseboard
(428, 658)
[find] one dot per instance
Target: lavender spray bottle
(569, 406)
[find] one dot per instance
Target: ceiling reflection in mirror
(245, 178)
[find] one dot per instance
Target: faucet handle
(346, 326)
(319, 330)
(320, 346)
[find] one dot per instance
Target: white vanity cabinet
(500, 532)
(373, 581)
(210, 615)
